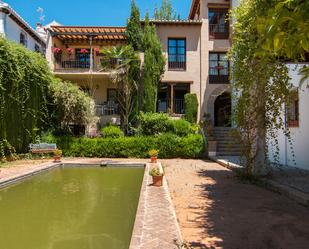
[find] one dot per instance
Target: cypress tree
(134, 29)
(154, 63)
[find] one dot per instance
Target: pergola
(93, 35)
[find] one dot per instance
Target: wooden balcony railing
(219, 31)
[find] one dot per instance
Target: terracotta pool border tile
(151, 235)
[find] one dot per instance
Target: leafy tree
(70, 105)
(284, 30)
(125, 65)
(134, 29)
(261, 87)
(154, 63)
(166, 11)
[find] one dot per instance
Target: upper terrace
(75, 49)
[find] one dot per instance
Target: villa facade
(15, 28)
(195, 51)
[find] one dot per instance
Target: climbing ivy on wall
(24, 80)
(32, 100)
(261, 87)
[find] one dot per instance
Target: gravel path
(216, 211)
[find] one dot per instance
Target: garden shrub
(182, 127)
(71, 105)
(191, 107)
(112, 131)
(169, 145)
(154, 123)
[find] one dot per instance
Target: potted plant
(157, 176)
(56, 50)
(70, 51)
(153, 155)
(83, 51)
(57, 156)
(96, 51)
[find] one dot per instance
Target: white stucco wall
(2, 21)
(299, 135)
(13, 32)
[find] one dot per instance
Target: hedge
(169, 145)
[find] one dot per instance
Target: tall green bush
(154, 63)
(134, 29)
(191, 107)
(24, 94)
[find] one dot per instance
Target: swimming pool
(71, 208)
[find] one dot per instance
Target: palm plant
(124, 64)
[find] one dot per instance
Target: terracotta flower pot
(153, 159)
(57, 159)
(157, 181)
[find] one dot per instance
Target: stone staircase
(227, 144)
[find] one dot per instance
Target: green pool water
(71, 208)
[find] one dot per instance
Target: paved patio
(215, 210)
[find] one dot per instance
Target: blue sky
(91, 12)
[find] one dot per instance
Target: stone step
(228, 154)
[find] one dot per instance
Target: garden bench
(42, 148)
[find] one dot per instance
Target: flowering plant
(70, 51)
(96, 51)
(56, 50)
(84, 51)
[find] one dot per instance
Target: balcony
(219, 79)
(177, 107)
(66, 64)
(219, 31)
(107, 108)
(177, 62)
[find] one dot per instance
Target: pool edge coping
(138, 229)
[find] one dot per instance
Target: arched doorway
(223, 110)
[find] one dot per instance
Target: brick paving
(156, 226)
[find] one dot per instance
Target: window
(37, 48)
(82, 58)
(23, 39)
(218, 68)
(218, 26)
(293, 110)
(111, 94)
(177, 54)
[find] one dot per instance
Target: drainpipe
(91, 55)
(285, 137)
(201, 74)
